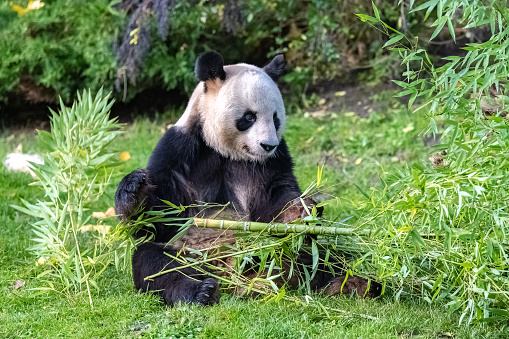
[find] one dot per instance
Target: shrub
(66, 46)
(441, 228)
(76, 170)
(56, 50)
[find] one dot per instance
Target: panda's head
(240, 108)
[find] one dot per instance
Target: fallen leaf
(110, 212)
(36, 4)
(103, 229)
(358, 161)
(318, 114)
(19, 9)
(340, 93)
(18, 284)
(125, 156)
(409, 128)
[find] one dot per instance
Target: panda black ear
(275, 68)
(209, 66)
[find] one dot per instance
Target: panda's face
(241, 110)
(244, 119)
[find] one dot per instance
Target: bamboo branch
(278, 228)
(281, 228)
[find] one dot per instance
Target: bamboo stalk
(278, 228)
(281, 228)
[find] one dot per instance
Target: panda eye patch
(277, 123)
(247, 120)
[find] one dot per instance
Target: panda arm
(175, 153)
(131, 193)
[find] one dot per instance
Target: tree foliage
(131, 46)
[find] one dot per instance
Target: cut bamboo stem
(285, 228)
(278, 228)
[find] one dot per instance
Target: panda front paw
(207, 293)
(131, 192)
(297, 211)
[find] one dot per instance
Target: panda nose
(267, 147)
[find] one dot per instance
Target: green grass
(338, 141)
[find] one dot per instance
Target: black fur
(275, 68)
(209, 66)
(186, 286)
(246, 121)
(277, 123)
(184, 170)
(135, 188)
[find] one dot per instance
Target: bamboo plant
(76, 170)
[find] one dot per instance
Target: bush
(66, 46)
(442, 226)
(75, 173)
(56, 50)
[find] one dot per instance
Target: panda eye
(250, 117)
(277, 123)
(247, 120)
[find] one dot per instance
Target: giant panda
(227, 148)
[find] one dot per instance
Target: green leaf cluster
(66, 46)
(59, 49)
(75, 173)
(442, 229)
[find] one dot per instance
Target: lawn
(354, 150)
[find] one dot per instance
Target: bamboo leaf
(393, 40)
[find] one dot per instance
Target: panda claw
(142, 180)
(130, 192)
(207, 293)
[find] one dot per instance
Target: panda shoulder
(178, 147)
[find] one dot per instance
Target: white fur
(182, 121)
(246, 87)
